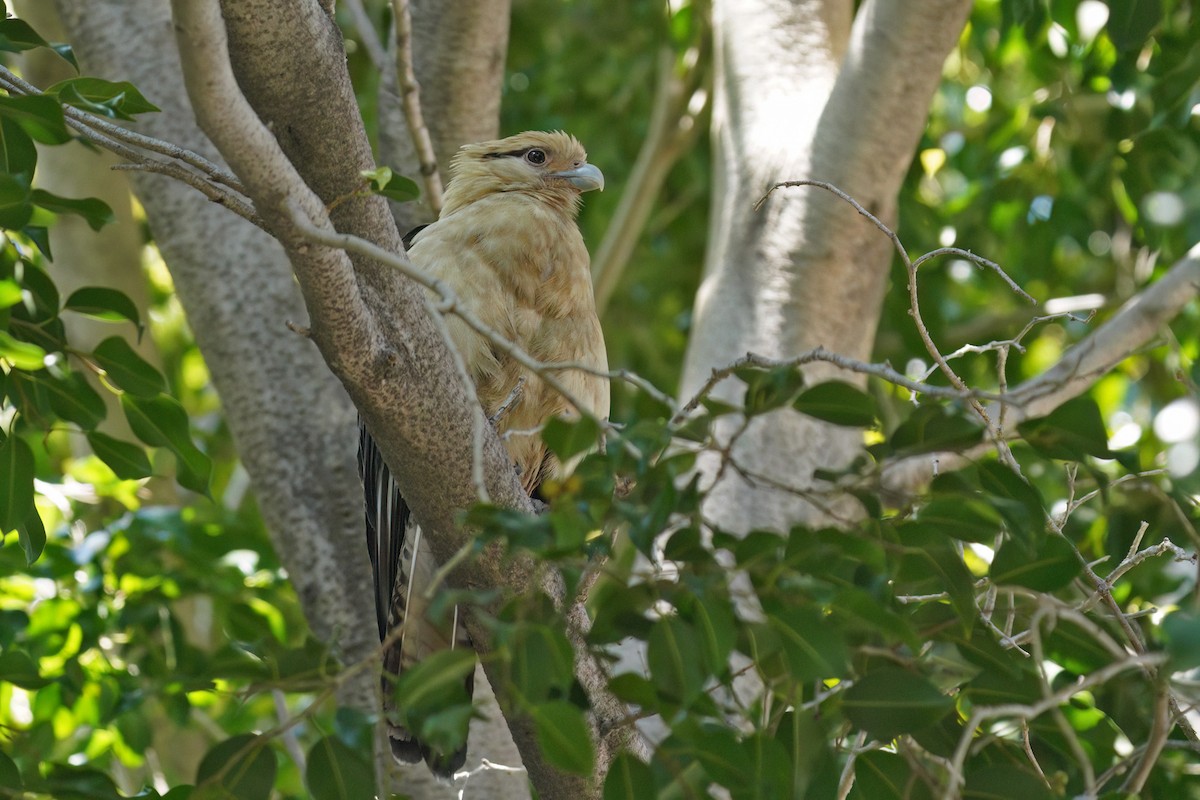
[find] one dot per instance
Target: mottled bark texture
(372, 325)
(805, 89)
(292, 422)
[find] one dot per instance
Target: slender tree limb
(674, 124)
(367, 34)
(1135, 324)
(410, 94)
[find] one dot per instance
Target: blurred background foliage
(1064, 144)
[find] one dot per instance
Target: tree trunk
(291, 420)
(805, 91)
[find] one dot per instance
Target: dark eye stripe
(512, 153)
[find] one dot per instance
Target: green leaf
(10, 293)
(1005, 782)
(16, 206)
(384, 181)
(968, 519)
(675, 659)
(18, 155)
(17, 668)
(16, 482)
(542, 661)
(1019, 503)
(336, 772)
(1053, 565)
(436, 681)
(161, 422)
(564, 738)
(126, 460)
(10, 776)
(95, 213)
(814, 647)
(631, 687)
(104, 303)
(1070, 432)
(32, 535)
(933, 427)
(839, 403)
(1181, 631)
(21, 355)
(73, 399)
(629, 779)
(104, 98)
(246, 770)
(567, 438)
(40, 116)
(880, 776)
(17, 35)
(1131, 21)
(892, 701)
(126, 369)
(768, 389)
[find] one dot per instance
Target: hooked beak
(585, 177)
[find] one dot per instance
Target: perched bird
(508, 245)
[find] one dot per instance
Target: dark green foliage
(876, 642)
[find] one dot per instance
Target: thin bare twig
(410, 97)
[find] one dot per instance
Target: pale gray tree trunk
(812, 90)
(292, 422)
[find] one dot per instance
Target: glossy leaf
(22, 355)
(126, 460)
(933, 427)
(839, 403)
(768, 389)
(17, 36)
(95, 213)
(16, 482)
(18, 155)
(384, 181)
(1052, 566)
(892, 701)
(1070, 432)
(128, 370)
(119, 100)
(16, 203)
(161, 422)
(675, 659)
(40, 116)
(74, 400)
(104, 303)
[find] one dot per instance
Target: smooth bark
(803, 90)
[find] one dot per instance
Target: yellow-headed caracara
(508, 245)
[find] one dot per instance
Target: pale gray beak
(585, 177)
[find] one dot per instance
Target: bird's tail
(419, 637)
(404, 568)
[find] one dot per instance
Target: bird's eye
(535, 156)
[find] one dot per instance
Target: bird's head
(552, 165)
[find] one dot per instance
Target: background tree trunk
(292, 421)
(805, 90)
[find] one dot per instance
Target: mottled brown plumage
(508, 245)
